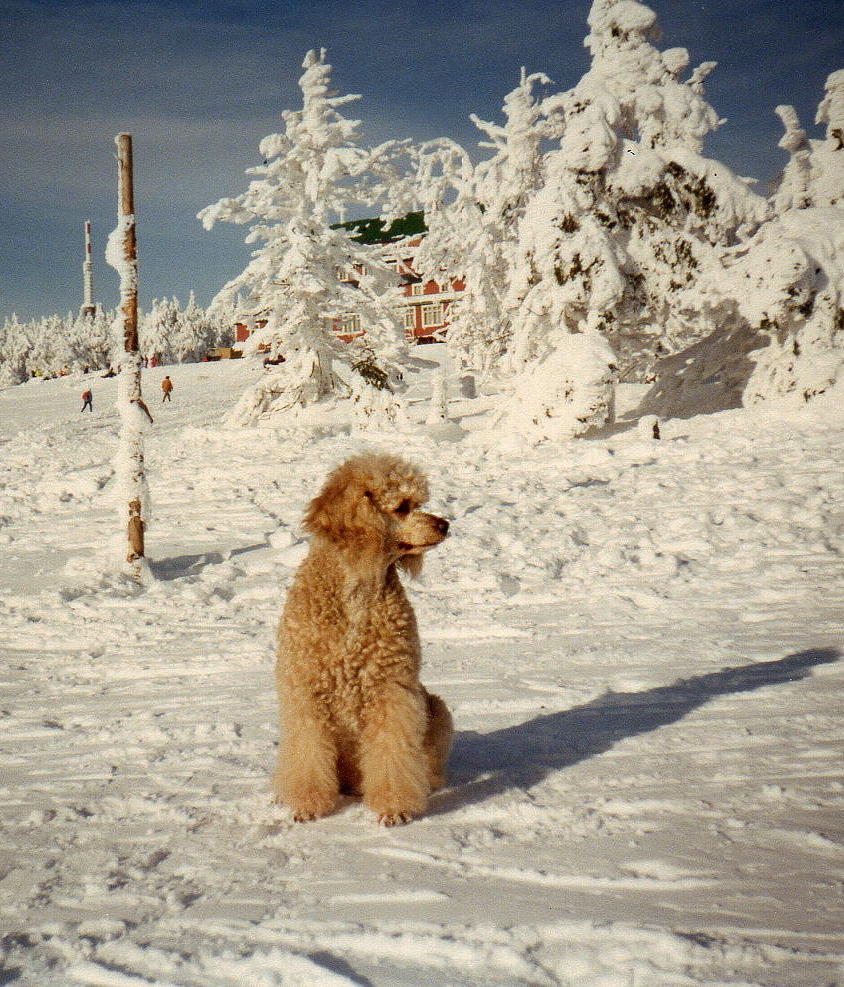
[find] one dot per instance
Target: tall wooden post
(134, 414)
(126, 214)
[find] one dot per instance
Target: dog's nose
(442, 524)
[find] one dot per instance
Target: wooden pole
(133, 412)
(126, 211)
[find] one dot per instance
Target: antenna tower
(88, 307)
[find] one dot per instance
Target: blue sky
(198, 84)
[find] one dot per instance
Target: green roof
(377, 231)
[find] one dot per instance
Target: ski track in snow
(640, 642)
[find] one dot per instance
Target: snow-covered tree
(77, 342)
(793, 188)
(626, 232)
(655, 108)
(172, 334)
(196, 333)
(55, 343)
(473, 215)
(789, 283)
(307, 279)
(831, 110)
(15, 351)
(91, 340)
(814, 175)
(158, 330)
(785, 335)
(789, 280)
(564, 395)
(45, 355)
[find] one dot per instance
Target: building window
(350, 275)
(432, 315)
(410, 317)
(417, 289)
(348, 325)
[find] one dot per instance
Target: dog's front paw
(310, 806)
(393, 811)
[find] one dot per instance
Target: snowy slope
(641, 643)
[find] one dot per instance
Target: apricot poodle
(355, 718)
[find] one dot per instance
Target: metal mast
(88, 307)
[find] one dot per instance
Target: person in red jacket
(166, 387)
(87, 401)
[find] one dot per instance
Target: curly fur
(355, 718)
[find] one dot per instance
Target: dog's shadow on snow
(483, 765)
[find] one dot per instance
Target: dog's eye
(403, 508)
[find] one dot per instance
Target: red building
(427, 307)
(242, 331)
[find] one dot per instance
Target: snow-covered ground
(641, 642)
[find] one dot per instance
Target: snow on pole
(134, 415)
(438, 408)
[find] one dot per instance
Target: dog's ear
(327, 513)
(341, 511)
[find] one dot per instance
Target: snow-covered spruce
(473, 212)
(55, 344)
(60, 344)
(307, 278)
(596, 212)
(781, 331)
(171, 334)
(795, 266)
(626, 234)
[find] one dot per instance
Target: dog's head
(371, 505)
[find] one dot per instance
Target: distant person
(166, 387)
(88, 401)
